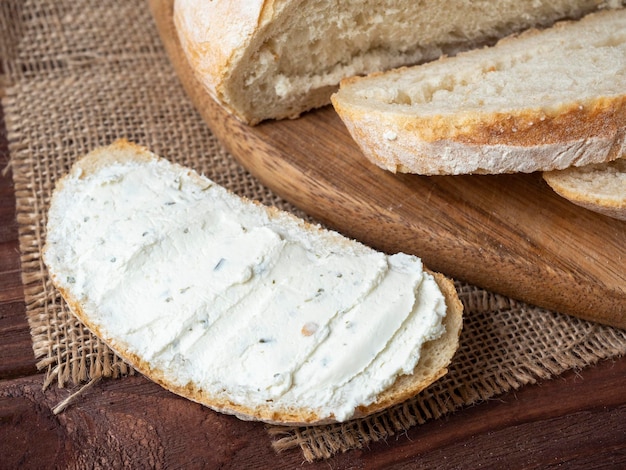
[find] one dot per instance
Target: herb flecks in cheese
(216, 292)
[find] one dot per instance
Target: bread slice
(272, 60)
(539, 101)
(600, 187)
(243, 308)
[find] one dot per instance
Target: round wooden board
(509, 234)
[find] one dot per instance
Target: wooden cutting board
(509, 234)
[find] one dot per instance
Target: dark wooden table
(574, 421)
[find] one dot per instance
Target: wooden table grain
(577, 420)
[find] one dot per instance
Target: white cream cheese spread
(243, 303)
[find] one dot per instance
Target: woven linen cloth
(80, 74)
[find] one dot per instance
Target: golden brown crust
(602, 117)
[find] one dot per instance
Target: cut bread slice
(243, 308)
(272, 60)
(539, 101)
(600, 187)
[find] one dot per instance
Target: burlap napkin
(80, 74)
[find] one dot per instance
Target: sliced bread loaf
(243, 308)
(271, 60)
(600, 187)
(542, 100)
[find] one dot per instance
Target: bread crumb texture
(272, 60)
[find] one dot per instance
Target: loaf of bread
(272, 60)
(538, 101)
(241, 307)
(600, 187)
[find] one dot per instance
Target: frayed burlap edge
(48, 315)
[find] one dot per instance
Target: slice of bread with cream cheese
(243, 308)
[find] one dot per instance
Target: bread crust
(435, 359)
(219, 37)
(528, 141)
(611, 202)
(234, 23)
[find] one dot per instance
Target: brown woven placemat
(80, 74)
